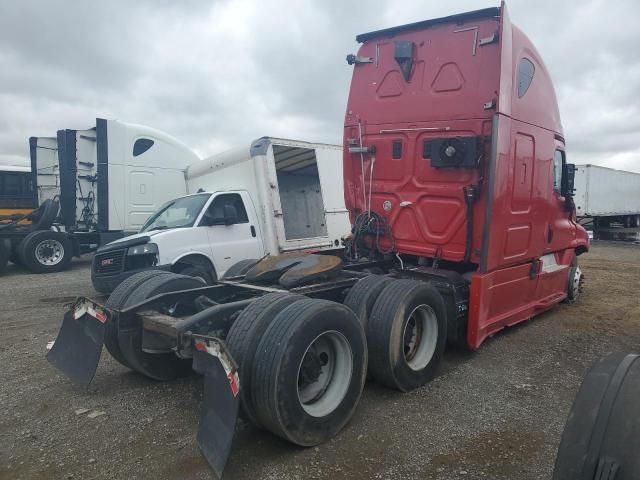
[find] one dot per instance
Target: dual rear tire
(406, 334)
(302, 365)
(405, 323)
(303, 362)
(245, 335)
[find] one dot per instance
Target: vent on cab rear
(404, 56)
(455, 152)
(396, 149)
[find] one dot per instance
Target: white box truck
(607, 199)
(270, 197)
(107, 180)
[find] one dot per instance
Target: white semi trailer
(269, 197)
(608, 198)
(107, 180)
(111, 177)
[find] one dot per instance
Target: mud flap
(221, 401)
(78, 346)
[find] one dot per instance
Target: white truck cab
(272, 197)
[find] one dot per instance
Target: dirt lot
(497, 413)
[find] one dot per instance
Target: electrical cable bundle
(371, 224)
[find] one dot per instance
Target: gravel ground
(497, 413)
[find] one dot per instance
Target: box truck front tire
(208, 276)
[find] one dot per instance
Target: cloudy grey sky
(217, 73)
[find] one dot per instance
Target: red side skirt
(512, 295)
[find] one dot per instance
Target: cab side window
(526, 69)
(142, 145)
(558, 160)
(219, 208)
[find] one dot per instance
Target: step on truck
(89, 187)
(269, 196)
(456, 180)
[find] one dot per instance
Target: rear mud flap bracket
(221, 401)
(78, 346)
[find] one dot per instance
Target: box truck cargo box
(266, 198)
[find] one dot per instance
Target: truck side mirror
(230, 215)
(568, 176)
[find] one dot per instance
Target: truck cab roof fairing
(539, 101)
(458, 18)
(538, 104)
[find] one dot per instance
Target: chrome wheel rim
(49, 252)
(324, 373)
(420, 337)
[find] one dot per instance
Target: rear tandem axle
(262, 347)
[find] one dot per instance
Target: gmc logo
(106, 261)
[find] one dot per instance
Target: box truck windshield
(179, 213)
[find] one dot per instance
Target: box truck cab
(269, 197)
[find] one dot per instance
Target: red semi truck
(455, 125)
(456, 180)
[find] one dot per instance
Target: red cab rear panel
(475, 83)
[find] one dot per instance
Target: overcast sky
(218, 73)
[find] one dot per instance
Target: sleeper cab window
(558, 158)
(525, 76)
(142, 145)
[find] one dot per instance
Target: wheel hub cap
(324, 374)
(49, 252)
(420, 337)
